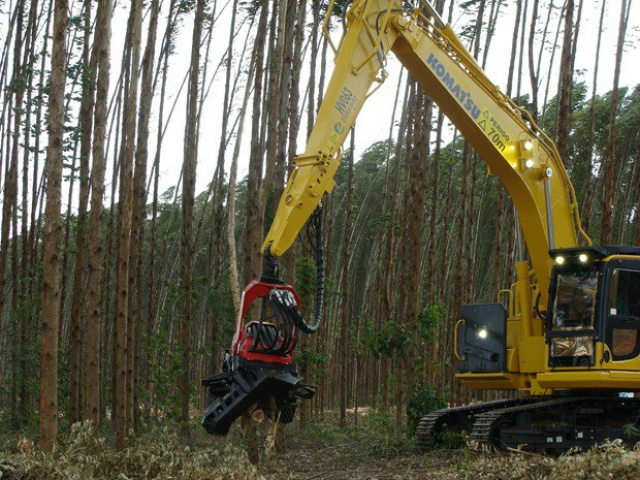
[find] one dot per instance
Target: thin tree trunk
(344, 300)
(153, 288)
(413, 231)
(51, 240)
(532, 69)
(139, 209)
(273, 112)
(566, 75)
(610, 160)
(251, 238)
(188, 194)
(124, 331)
(231, 196)
(79, 276)
(311, 108)
(94, 275)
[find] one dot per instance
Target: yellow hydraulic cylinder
(524, 294)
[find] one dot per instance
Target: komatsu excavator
(569, 334)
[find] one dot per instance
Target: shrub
(423, 401)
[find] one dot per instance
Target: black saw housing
(245, 386)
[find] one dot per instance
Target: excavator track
(548, 424)
(454, 420)
(486, 426)
(554, 425)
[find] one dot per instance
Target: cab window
(624, 297)
(575, 301)
(624, 314)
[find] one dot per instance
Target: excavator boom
(504, 135)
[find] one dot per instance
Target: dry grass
(157, 455)
(373, 450)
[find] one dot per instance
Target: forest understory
(373, 448)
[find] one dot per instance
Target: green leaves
(391, 340)
(429, 319)
(425, 399)
(314, 361)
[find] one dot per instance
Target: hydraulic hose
(285, 300)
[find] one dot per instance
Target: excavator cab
(578, 358)
(592, 322)
(594, 308)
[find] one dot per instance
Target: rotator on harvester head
(258, 372)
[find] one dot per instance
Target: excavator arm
(359, 65)
(504, 135)
(259, 373)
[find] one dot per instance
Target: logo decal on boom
(497, 134)
(463, 97)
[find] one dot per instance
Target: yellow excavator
(569, 335)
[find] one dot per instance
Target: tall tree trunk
(252, 237)
(610, 159)
(94, 275)
(51, 240)
(413, 227)
(532, 68)
(79, 275)
(124, 328)
(231, 195)
(154, 272)
(566, 75)
(461, 274)
(273, 112)
(27, 296)
(139, 209)
(11, 197)
(188, 194)
(344, 294)
(589, 192)
(311, 108)
(435, 200)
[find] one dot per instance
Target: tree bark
(231, 196)
(139, 209)
(94, 275)
(344, 294)
(251, 238)
(273, 112)
(188, 194)
(79, 274)
(589, 192)
(51, 240)
(413, 231)
(532, 69)
(124, 328)
(566, 75)
(610, 161)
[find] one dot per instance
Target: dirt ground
(307, 459)
(341, 462)
(372, 450)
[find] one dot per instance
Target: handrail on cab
(462, 358)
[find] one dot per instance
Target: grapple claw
(258, 372)
(251, 383)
